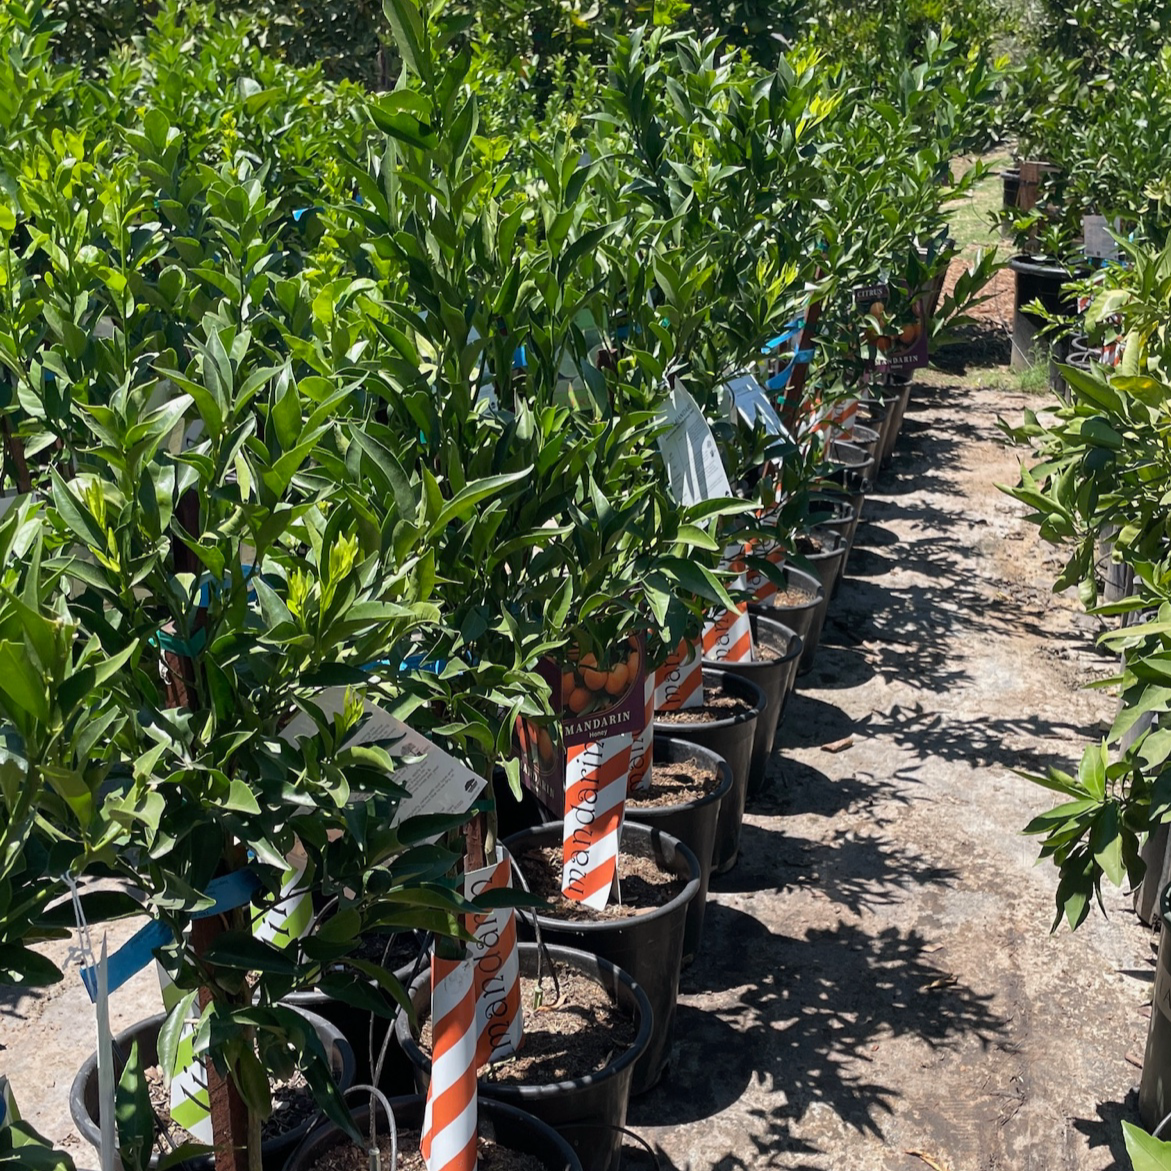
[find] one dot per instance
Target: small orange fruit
(579, 700)
(595, 680)
(545, 745)
(619, 677)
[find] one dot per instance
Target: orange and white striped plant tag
(499, 1021)
(679, 681)
(728, 636)
(450, 1135)
(843, 415)
(642, 749)
(761, 586)
(595, 796)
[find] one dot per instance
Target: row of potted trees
(387, 503)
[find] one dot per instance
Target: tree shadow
(808, 1012)
(1106, 1129)
(982, 742)
(15, 1001)
(980, 346)
(808, 722)
(856, 871)
(807, 790)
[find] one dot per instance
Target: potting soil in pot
(717, 705)
(404, 948)
(643, 885)
(808, 543)
(676, 783)
(576, 1030)
(792, 596)
(292, 1104)
(762, 653)
(489, 1156)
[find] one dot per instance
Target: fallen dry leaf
(943, 982)
(839, 745)
(933, 1163)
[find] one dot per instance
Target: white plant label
(745, 398)
(690, 453)
(435, 781)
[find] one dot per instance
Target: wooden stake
(229, 1111)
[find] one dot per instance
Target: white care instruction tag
(435, 781)
(745, 399)
(1099, 243)
(690, 453)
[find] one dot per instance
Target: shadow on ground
(808, 1012)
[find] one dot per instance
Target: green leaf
(133, 1114)
(241, 798)
(171, 1031)
(242, 951)
(1146, 1153)
(1092, 770)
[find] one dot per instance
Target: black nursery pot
(586, 1110)
(354, 1025)
(1154, 1088)
(732, 739)
(841, 513)
(774, 677)
(826, 566)
(850, 467)
(1010, 189)
(799, 616)
(866, 438)
(692, 822)
(896, 392)
(508, 1127)
(274, 1152)
(880, 417)
(1036, 280)
(649, 946)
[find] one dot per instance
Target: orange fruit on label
(545, 746)
(579, 700)
(619, 677)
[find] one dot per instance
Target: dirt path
(878, 988)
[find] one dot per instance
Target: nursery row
(380, 485)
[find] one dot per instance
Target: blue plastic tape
(229, 892)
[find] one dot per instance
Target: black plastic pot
(865, 437)
(841, 513)
(648, 946)
(510, 1128)
(825, 566)
(1154, 1088)
(1036, 280)
(575, 1107)
(1011, 186)
(897, 391)
(354, 1025)
(878, 415)
(693, 823)
(774, 677)
(731, 739)
(83, 1096)
(799, 617)
(850, 467)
